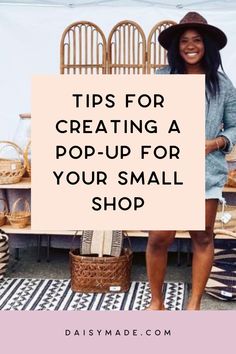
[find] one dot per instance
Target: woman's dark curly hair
(211, 61)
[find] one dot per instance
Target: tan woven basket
(231, 225)
(232, 155)
(100, 274)
(231, 179)
(3, 212)
(11, 170)
(26, 158)
(19, 219)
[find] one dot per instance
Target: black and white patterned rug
(56, 295)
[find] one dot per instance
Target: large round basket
(3, 212)
(11, 170)
(4, 253)
(19, 218)
(100, 274)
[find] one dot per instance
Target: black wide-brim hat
(192, 20)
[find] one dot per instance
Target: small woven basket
(231, 179)
(100, 274)
(232, 155)
(26, 158)
(3, 212)
(4, 253)
(11, 170)
(231, 224)
(19, 219)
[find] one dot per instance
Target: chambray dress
(219, 110)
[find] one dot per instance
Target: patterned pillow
(222, 281)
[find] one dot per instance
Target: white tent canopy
(31, 31)
(186, 4)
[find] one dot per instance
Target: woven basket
(3, 212)
(26, 158)
(231, 179)
(100, 274)
(231, 225)
(19, 219)
(11, 170)
(232, 155)
(4, 253)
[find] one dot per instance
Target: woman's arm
(219, 143)
(229, 119)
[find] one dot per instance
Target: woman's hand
(215, 144)
(210, 146)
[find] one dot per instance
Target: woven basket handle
(26, 154)
(14, 146)
(27, 147)
(73, 239)
(126, 237)
(5, 209)
(16, 202)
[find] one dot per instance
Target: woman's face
(191, 47)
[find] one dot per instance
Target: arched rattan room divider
(156, 54)
(83, 49)
(126, 48)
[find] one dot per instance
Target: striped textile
(4, 253)
(56, 295)
(222, 281)
(101, 242)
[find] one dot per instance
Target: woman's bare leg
(203, 254)
(156, 260)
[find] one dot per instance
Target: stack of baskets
(4, 253)
(11, 170)
(90, 273)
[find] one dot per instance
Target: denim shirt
(220, 111)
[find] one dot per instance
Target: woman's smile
(190, 54)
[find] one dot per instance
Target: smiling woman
(193, 48)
